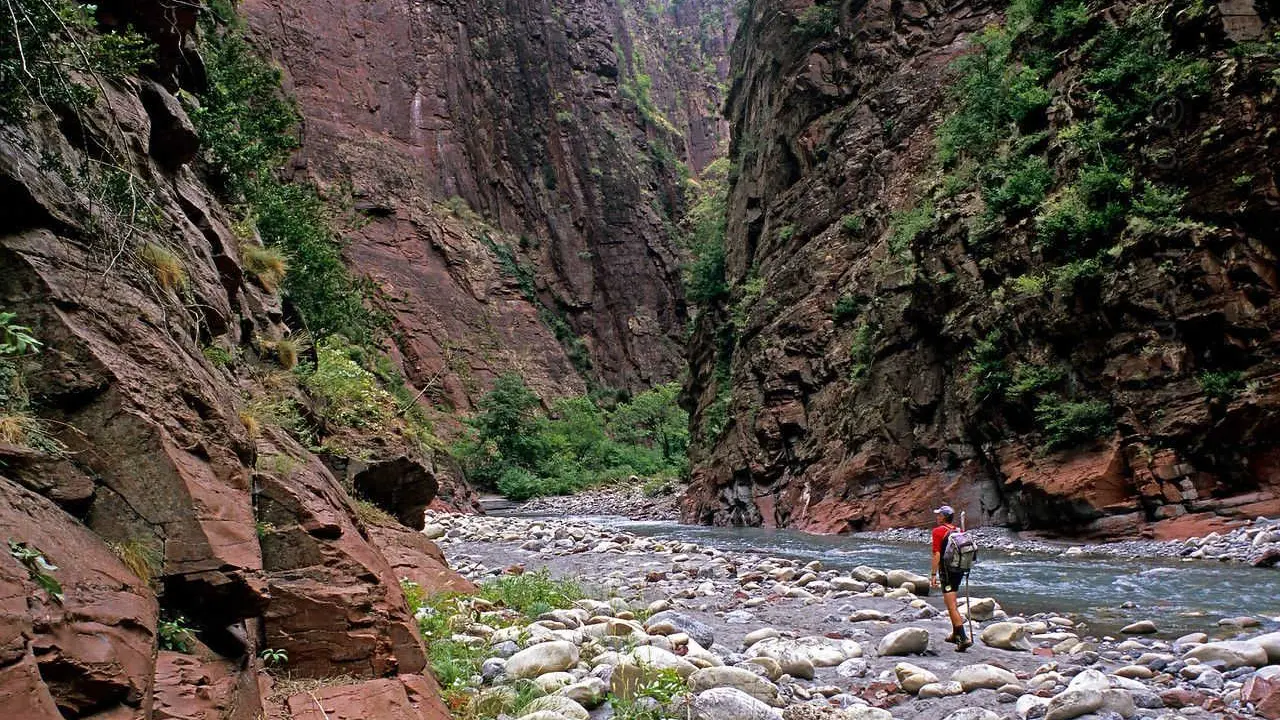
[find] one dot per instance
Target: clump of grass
(166, 267)
(532, 594)
(26, 430)
(287, 350)
(142, 557)
(250, 423)
(267, 265)
(1221, 385)
(371, 514)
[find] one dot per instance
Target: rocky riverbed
(630, 500)
(751, 636)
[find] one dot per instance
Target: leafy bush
(174, 635)
(704, 233)
(246, 128)
(16, 339)
(1020, 184)
(1067, 422)
(862, 352)
(987, 369)
(906, 226)
(218, 356)
(348, 395)
(1031, 379)
(816, 21)
(1221, 385)
(852, 223)
(847, 307)
(524, 453)
(46, 46)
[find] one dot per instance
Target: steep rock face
(873, 368)
(514, 175)
(162, 503)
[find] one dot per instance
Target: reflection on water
(1178, 596)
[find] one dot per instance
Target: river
(1108, 593)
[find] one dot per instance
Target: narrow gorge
(285, 287)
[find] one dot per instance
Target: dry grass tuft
(251, 424)
(142, 557)
(371, 514)
(267, 265)
(165, 266)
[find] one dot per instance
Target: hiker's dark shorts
(951, 580)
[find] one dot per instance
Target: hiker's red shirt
(940, 536)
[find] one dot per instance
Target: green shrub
(862, 352)
(906, 226)
(1029, 285)
(987, 369)
(174, 635)
(703, 235)
(1066, 277)
(816, 21)
(1067, 422)
(349, 395)
(48, 46)
(1020, 184)
(1030, 379)
(749, 294)
(1221, 385)
(852, 223)
(847, 307)
(218, 356)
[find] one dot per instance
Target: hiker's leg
(949, 598)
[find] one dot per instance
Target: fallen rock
(1142, 627)
(737, 678)
(1006, 636)
(695, 629)
(552, 656)
(913, 677)
(589, 692)
(557, 704)
(982, 675)
(906, 641)
(1230, 653)
(1073, 703)
(941, 689)
(730, 704)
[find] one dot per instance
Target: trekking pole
(968, 601)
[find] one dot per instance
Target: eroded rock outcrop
(901, 333)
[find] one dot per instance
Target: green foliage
(847, 307)
(532, 593)
(648, 700)
(524, 453)
(987, 369)
(267, 265)
(995, 94)
(1067, 277)
(749, 293)
(218, 356)
(1221, 385)
(816, 21)
(862, 351)
(38, 568)
(1020, 184)
(704, 233)
(274, 657)
(46, 46)
(348, 395)
(1067, 422)
(246, 129)
(1029, 379)
(1029, 285)
(852, 223)
(174, 635)
(16, 339)
(786, 232)
(906, 226)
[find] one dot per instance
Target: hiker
(948, 577)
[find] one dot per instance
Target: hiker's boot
(954, 636)
(962, 641)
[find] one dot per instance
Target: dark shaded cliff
(1028, 269)
(517, 169)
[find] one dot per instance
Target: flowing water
(1178, 596)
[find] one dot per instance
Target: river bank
(754, 636)
(1255, 542)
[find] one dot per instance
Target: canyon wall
(1020, 258)
(516, 173)
(162, 528)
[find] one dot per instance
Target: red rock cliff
(1065, 319)
(517, 167)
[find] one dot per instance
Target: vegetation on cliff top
(522, 452)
